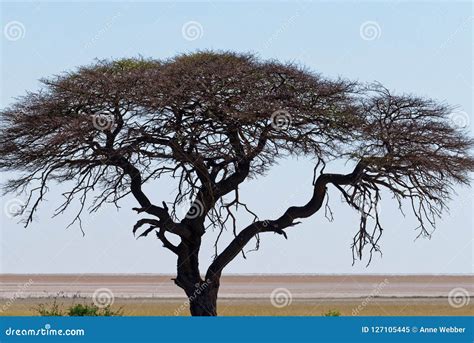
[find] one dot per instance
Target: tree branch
(285, 221)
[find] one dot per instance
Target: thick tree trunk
(203, 302)
(202, 294)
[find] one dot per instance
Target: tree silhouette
(212, 120)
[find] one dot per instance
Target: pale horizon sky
(422, 48)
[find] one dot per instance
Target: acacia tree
(212, 121)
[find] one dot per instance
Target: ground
(250, 295)
(259, 307)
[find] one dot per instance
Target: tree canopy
(215, 119)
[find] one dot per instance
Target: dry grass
(262, 307)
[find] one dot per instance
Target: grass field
(249, 295)
(260, 307)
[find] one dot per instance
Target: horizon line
(254, 274)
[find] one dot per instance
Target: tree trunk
(203, 301)
(202, 294)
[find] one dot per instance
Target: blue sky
(423, 48)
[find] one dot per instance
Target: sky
(421, 48)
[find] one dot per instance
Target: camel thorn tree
(212, 120)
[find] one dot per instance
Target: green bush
(53, 310)
(76, 310)
(332, 313)
(81, 310)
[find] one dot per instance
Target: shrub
(332, 313)
(76, 310)
(53, 310)
(81, 310)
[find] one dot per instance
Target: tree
(212, 120)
